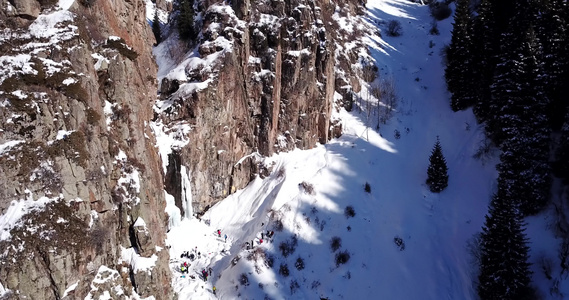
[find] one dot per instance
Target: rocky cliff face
(263, 80)
(77, 86)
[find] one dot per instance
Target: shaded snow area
(399, 241)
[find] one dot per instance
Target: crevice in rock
(45, 259)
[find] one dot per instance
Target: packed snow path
(434, 228)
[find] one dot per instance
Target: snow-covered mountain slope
(432, 262)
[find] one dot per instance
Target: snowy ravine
(434, 261)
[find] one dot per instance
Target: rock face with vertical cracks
(76, 93)
(263, 82)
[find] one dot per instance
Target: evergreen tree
(552, 31)
(156, 27)
(562, 153)
(458, 72)
(437, 172)
(186, 19)
(520, 125)
(504, 268)
(484, 49)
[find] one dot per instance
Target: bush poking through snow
(278, 225)
(434, 29)
(283, 270)
(440, 10)
(243, 279)
(342, 257)
(394, 28)
(269, 260)
(299, 264)
(235, 260)
(369, 72)
(315, 284)
(307, 187)
(399, 243)
(367, 188)
(335, 243)
(281, 172)
(287, 247)
(293, 286)
(349, 212)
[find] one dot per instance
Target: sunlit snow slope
(434, 263)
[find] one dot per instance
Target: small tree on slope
(156, 27)
(437, 176)
(504, 268)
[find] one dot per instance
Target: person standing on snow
(225, 238)
(214, 289)
(219, 233)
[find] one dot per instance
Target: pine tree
(504, 268)
(485, 38)
(552, 31)
(520, 125)
(437, 172)
(156, 27)
(459, 59)
(186, 20)
(562, 152)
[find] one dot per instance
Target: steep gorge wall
(270, 88)
(76, 95)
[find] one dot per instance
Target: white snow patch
(137, 262)
(65, 4)
(70, 289)
(69, 81)
(5, 147)
(61, 134)
(139, 222)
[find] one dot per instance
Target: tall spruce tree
(186, 19)
(552, 31)
(156, 27)
(485, 38)
(504, 268)
(458, 72)
(562, 153)
(437, 172)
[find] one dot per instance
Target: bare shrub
(439, 10)
(342, 257)
(434, 28)
(349, 212)
(269, 260)
(315, 284)
(388, 96)
(243, 279)
(289, 246)
(281, 172)
(399, 243)
(307, 187)
(235, 260)
(278, 225)
(299, 264)
(283, 270)
(293, 286)
(335, 243)
(259, 253)
(369, 72)
(367, 187)
(485, 150)
(394, 28)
